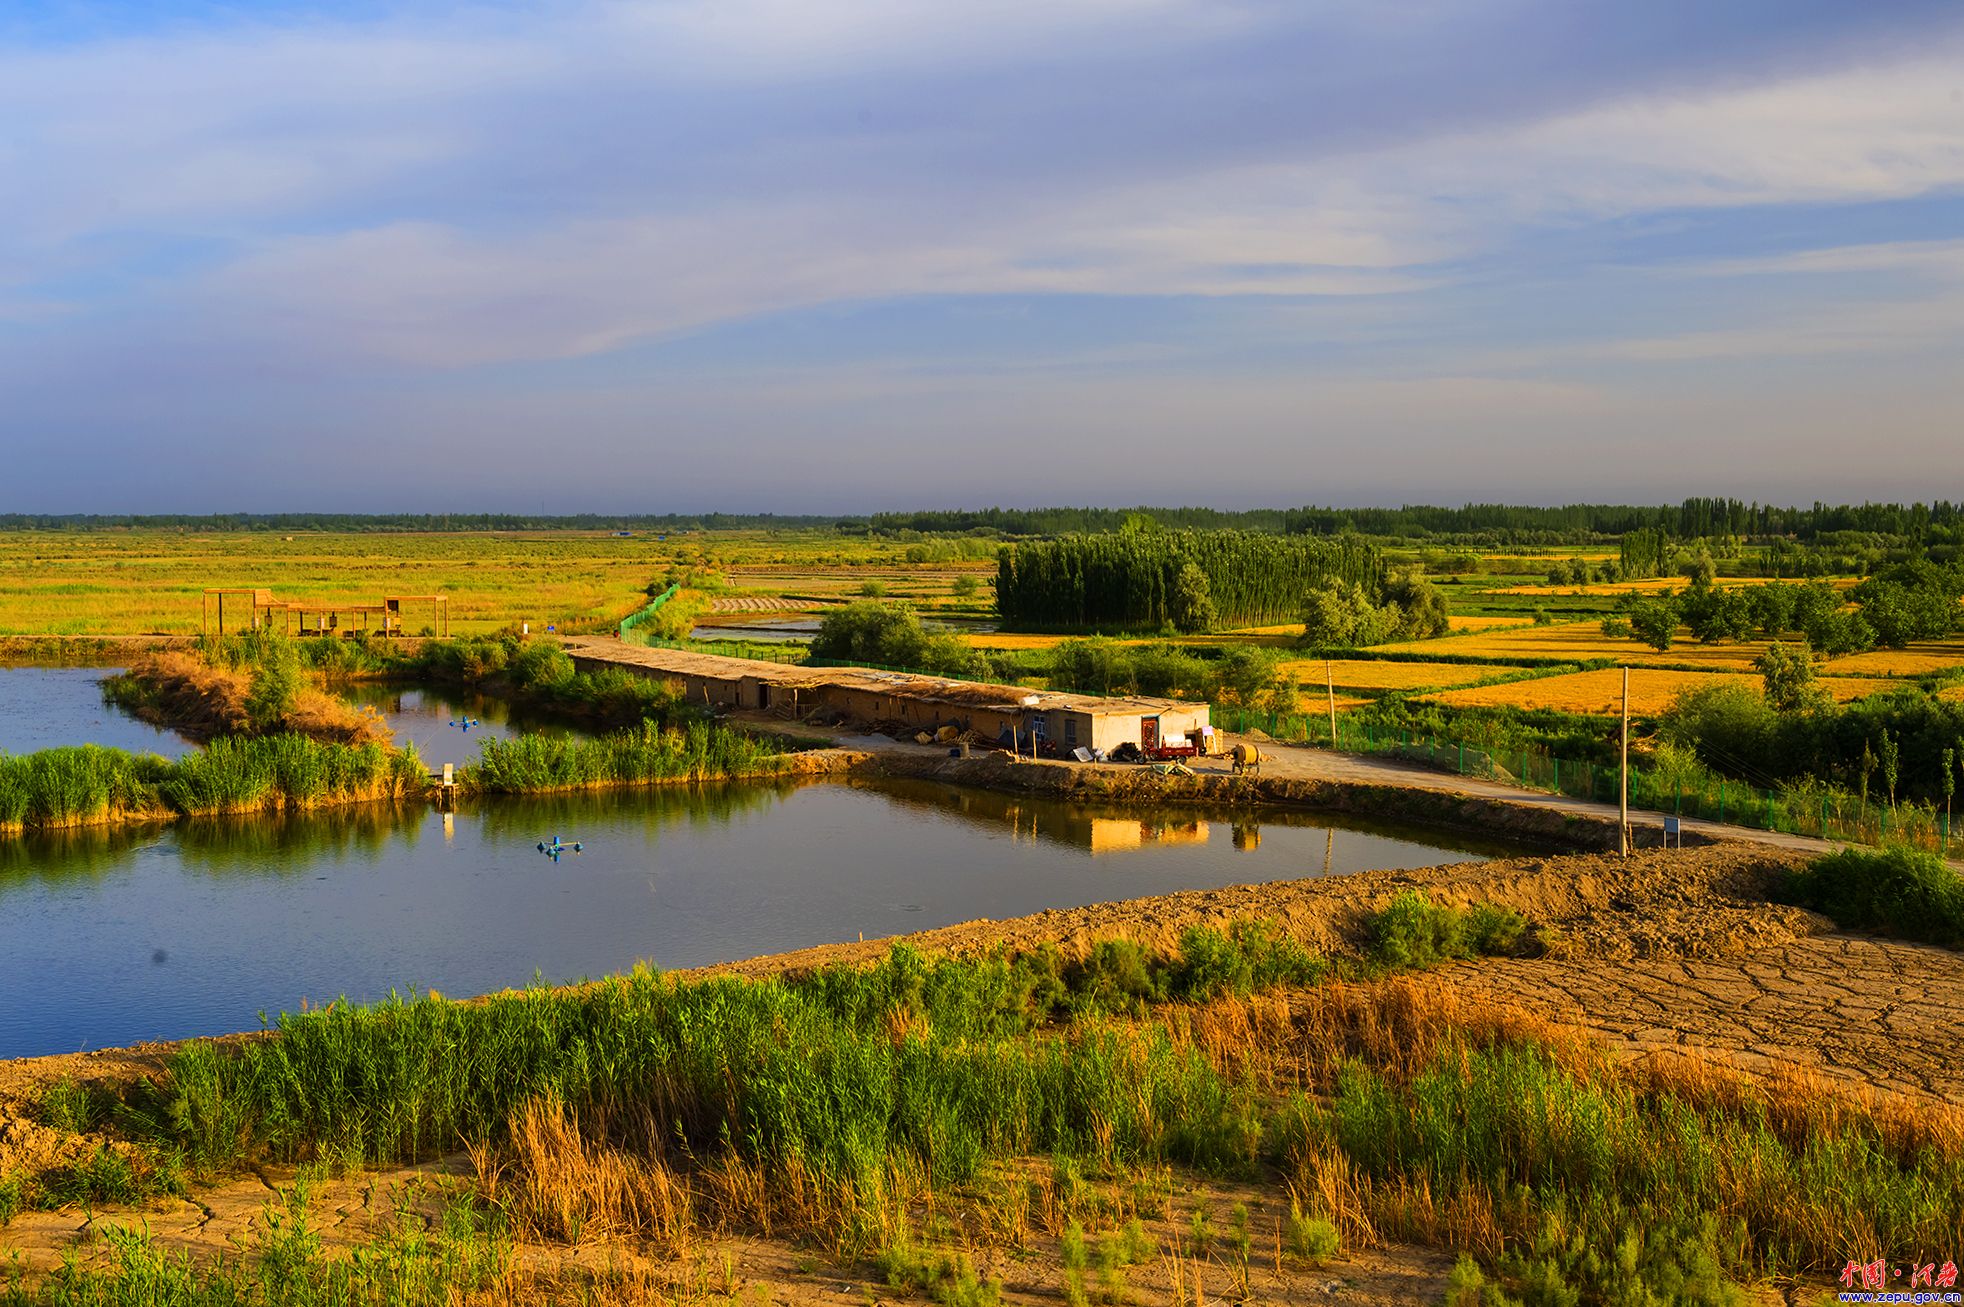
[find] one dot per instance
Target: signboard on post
(1673, 828)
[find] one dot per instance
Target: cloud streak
(1453, 199)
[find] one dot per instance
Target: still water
(110, 937)
(445, 725)
(46, 707)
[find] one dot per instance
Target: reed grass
(643, 755)
(78, 784)
(89, 785)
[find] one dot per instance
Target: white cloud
(394, 190)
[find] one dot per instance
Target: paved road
(1321, 764)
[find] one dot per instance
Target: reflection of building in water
(1074, 827)
(1247, 836)
(1113, 834)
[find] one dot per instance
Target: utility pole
(1330, 684)
(1623, 780)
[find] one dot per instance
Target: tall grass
(831, 1102)
(89, 784)
(534, 764)
(77, 785)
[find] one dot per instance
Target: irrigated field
(1651, 690)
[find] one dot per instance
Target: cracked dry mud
(1663, 951)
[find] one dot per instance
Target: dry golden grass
(1651, 690)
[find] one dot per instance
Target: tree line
(1148, 580)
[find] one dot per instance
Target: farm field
(151, 582)
(1580, 641)
(1651, 690)
(1369, 674)
(1647, 585)
(1918, 659)
(133, 583)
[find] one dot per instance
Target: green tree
(1698, 566)
(1950, 782)
(1247, 673)
(1094, 666)
(965, 587)
(891, 635)
(1193, 600)
(1655, 622)
(1420, 610)
(1787, 672)
(1340, 615)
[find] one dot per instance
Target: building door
(1149, 733)
(763, 695)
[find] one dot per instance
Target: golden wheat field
(1651, 690)
(1918, 660)
(1475, 622)
(1580, 641)
(1366, 674)
(1647, 585)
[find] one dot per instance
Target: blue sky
(826, 256)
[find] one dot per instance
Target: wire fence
(631, 624)
(1814, 810)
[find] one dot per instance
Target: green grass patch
(1413, 931)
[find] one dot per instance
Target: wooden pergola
(326, 615)
(392, 606)
(260, 601)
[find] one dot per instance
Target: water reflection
(51, 707)
(1100, 829)
(114, 935)
(432, 718)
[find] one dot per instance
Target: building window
(1070, 732)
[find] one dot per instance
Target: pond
(46, 707)
(113, 936)
(445, 725)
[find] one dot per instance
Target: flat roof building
(1064, 722)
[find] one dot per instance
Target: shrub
(276, 685)
(1903, 891)
(1413, 931)
(1311, 1238)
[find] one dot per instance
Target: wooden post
(1330, 684)
(1623, 782)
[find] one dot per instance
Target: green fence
(1800, 811)
(635, 620)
